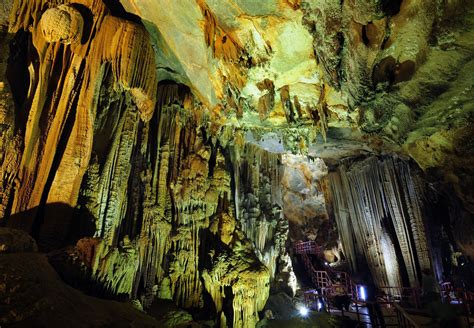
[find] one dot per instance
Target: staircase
(330, 282)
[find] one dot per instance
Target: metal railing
(331, 283)
(407, 296)
(308, 247)
(404, 319)
(462, 299)
(329, 280)
(365, 313)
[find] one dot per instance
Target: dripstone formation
(179, 150)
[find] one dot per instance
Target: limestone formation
(370, 193)
(179, 150)
(62, 24)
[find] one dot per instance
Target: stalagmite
(189, 151)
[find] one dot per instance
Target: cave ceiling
(181, 146)
(329, 79)
(364, 76)
(379, 75)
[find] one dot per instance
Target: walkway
(399, 306)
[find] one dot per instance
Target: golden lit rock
(62, 24)
(203, 158)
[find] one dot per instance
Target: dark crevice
(391, 7)
(88, 21)
(117, 10)
(385, 43)
(17, 70)
(365, 38)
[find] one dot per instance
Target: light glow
(362, 293)
(319, 306)
(304, 311)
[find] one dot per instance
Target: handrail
(324, 278)
(308, 247)
(406, 317)
(332, 281)
(410, 295)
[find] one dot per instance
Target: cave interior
(236, 163)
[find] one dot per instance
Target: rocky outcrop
(16, 241)
(39, 297)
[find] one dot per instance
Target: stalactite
(114, 179)
(196, 197)
(343, 219)
(259, 203)
(222, 44)
(59, 130)
(238, 268)
(369, 197)
(135, 160)
(114, 267)
(322, 110)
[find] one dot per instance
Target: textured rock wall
(378, 204)
(305, 192)
(128, 168)
(8, 140)
(164, 216)
(61, 103)
(260, 210)
(360, 44)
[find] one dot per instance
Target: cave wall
(103, 156)
(156, 183)
(379, 209)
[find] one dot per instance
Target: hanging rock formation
(177, 149)
(62, 106)
(99, 161)
(378, 206)
(260, 206)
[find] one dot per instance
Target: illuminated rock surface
(177, 150)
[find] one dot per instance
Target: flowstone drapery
(67, 67)
(378, 204)
(126, 168)
(169, 232)
(258, 175)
